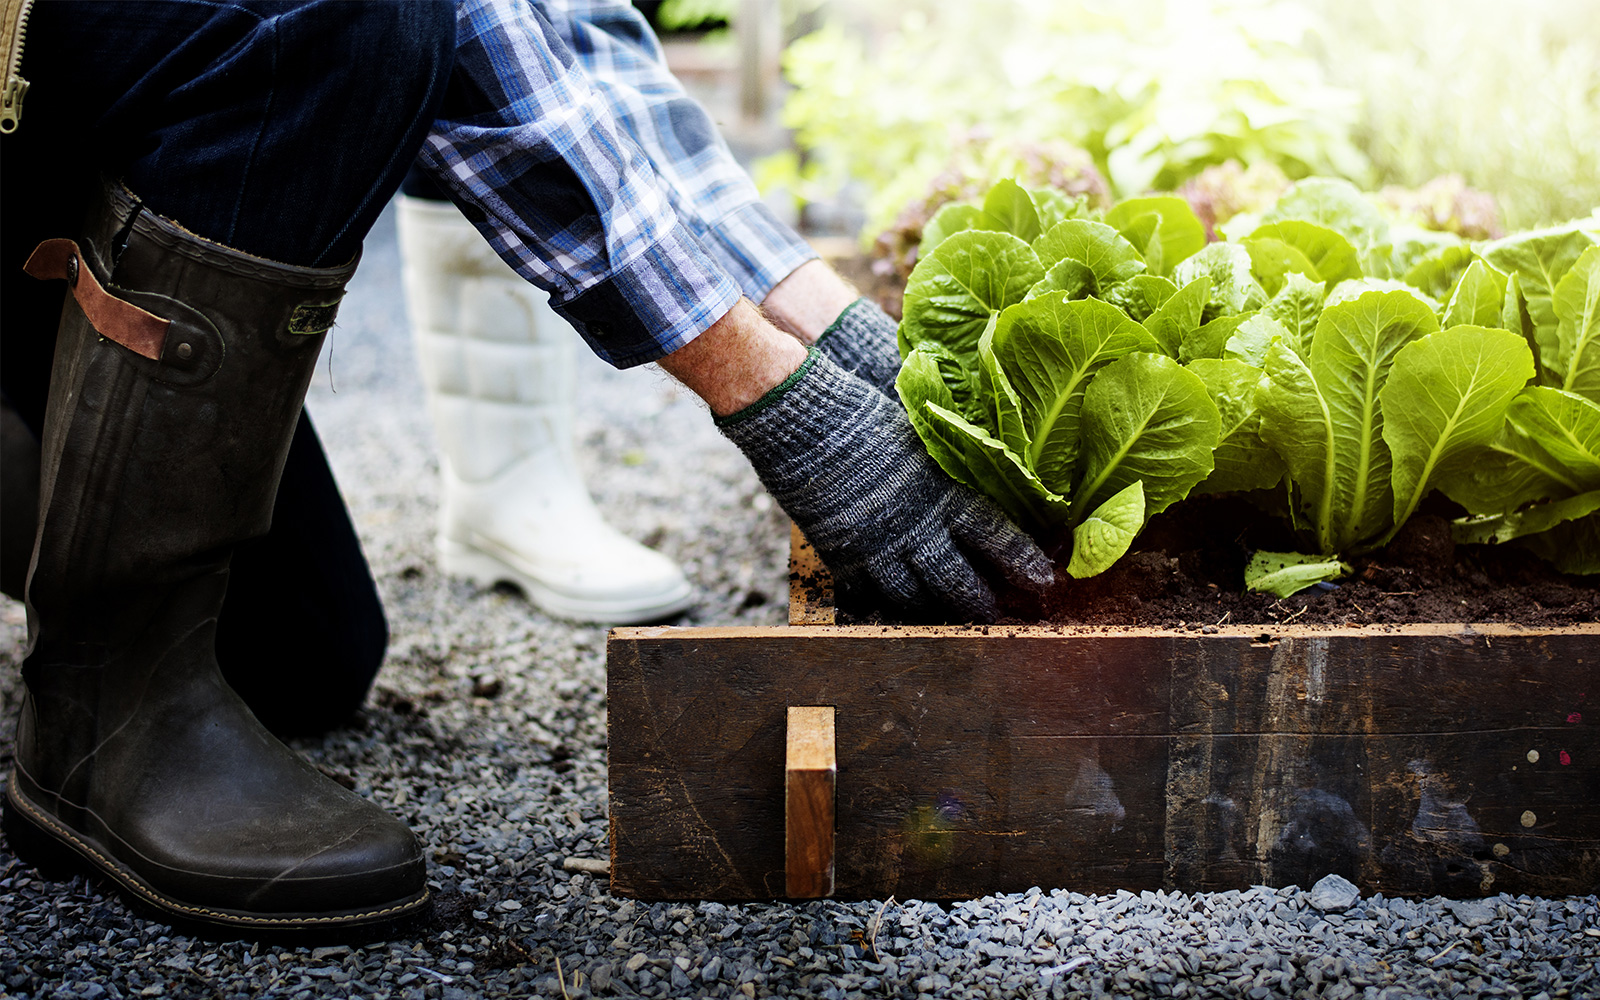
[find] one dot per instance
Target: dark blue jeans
(277, 128)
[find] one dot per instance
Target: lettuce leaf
(1250, 340)
(1069, 277)
(1349, 291)
(1004, 408)
(1577, 308)
(1478, 299)
(1446, 396)
(949, 220)
(1010, 209)
(1096, 245)
(1179, 317)
(1324, 417)
(1142, 233)
(1571, 546)
(1049, 348)
(1279, 248)
(1339, 206)
(1210, 340)
(1539, 260)
(1179, 233)
(1284, 574)
(1242, 460)
(1141, 295)
(1440, 270)
(954, 290)
(969, 454)
(1298, 306)
(1145, 418)
(1518, 467)
(962, 393)
(1234, 288)
(1054, 206)
(1496, 528)
(1104, 536)
(1567, 427)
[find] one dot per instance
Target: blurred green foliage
(895, 95)
(1505, 94)
(687, 15)
(1153, 90)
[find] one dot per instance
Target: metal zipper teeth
(15, 86)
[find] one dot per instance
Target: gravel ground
(487, 734)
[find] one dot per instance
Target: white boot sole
(486, 570)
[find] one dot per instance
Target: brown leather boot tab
(138, 330)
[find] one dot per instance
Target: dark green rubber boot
(180, 370)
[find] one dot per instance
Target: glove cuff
(811, 425)
(862, 341)
(773, 395)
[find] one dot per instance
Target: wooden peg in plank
(810, 769)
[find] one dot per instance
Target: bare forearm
(808, 301)
(736, 361)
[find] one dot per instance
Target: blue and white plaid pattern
(707, 187)
(576, 154)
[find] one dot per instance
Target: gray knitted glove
(862, 341)
(843, 461)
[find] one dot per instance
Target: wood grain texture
(810, 766)
(976, 760)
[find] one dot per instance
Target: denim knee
(297, 163)
(406, 53)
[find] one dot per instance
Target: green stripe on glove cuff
(862, 342)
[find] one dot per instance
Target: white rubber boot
(499, 368)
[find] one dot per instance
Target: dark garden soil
(1187, 571)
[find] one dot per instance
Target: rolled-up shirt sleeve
(707, 187)
(536, 158)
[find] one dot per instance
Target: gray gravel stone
(1334, 894)
(1470, 912)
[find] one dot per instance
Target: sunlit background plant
(911, 103)
(1505, 94)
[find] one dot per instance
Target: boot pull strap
(139, 331)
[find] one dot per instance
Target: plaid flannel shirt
(580, 158)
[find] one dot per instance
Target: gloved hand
(843, 461)
(862, 341)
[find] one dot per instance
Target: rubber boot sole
(59, 853)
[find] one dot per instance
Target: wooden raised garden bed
(1461, 760)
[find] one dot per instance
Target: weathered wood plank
(810, 767)
(973, 761)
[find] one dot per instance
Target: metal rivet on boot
(184, 351)
(72, 270)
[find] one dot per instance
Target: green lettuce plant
(1088, 370)
(1026, 381)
